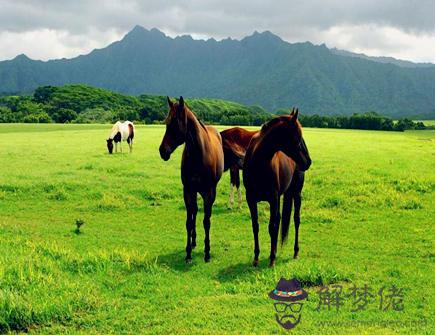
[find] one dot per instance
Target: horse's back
(238, 136)
(126, 129)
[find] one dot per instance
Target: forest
(87, 104)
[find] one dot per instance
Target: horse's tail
(293, 191)
(131, 130)
(287, 205)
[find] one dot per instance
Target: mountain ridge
(258, 69)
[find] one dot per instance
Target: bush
(41, 117)
(95, 115)
(64, 115)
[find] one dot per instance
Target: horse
(235, 141)
(121, 131)
(274, 165)
(202, 166)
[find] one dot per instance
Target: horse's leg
(191, 209)
(209, 198)
(298, 202)
(239, 194)
(231, 198)
(116, 146)
(237, 183)
(120, 146)
(129, 142)
(297, 218)
(254, 218)
(274, 228)
(194, 212)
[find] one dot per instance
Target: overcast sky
(56, 28)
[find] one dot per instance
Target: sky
(52, 29)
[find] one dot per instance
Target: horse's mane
(272, 123)
(269, 124)
(186, 106)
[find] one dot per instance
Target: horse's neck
(264, 149)
(115, 130)
(196, 136)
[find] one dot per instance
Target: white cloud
(47, 44)
(55, 28)
(374, 40)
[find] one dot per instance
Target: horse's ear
(181, 110)
(295, 115)
(170, 103)
(293, 111)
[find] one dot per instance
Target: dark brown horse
(235, 141)
(274, 165)
(201, 166)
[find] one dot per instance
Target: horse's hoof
(271, 264)
(207, 258)
(188, 260)
(255, 263)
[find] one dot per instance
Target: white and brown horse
(121, 131)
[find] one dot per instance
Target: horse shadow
(176, 260)
(240, 271)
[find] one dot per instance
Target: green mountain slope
(260, 69)
(87, 104)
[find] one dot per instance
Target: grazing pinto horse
(274, 165)
(121, 132)
(235, 141)
(201, 166)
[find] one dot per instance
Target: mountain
(260, 69)
(390, 60)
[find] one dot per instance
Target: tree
(64, 115)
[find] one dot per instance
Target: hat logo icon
(289, 296)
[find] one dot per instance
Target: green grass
(367, 218)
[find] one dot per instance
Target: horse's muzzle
(164, 153)
(305, 165)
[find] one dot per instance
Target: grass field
(367, 218)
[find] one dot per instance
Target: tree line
(86, 104)
(368, 121)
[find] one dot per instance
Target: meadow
(367, 218)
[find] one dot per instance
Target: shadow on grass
(176, 260)
(240, 271)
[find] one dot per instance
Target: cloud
(65, 28)
(47, 44)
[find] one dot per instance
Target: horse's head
(176, 128)
(287, 134)
(110, 145)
